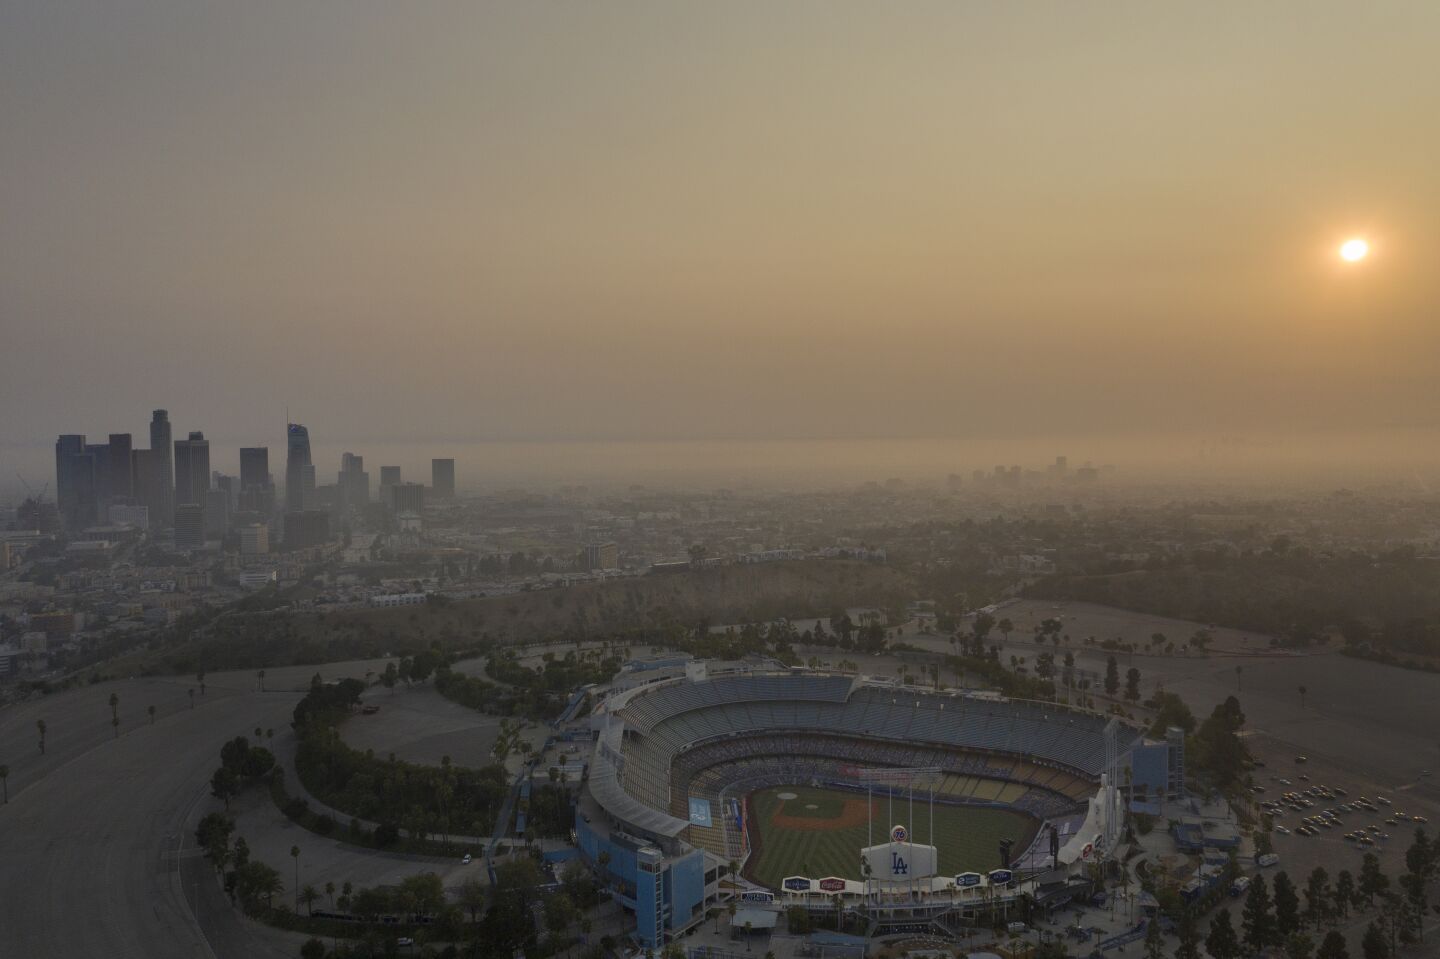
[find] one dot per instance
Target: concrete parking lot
(99, 856)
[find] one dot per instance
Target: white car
(465, 861)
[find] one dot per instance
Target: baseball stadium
(821, 788)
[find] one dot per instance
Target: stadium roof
(606, 788)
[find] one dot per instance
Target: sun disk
(1353, 250)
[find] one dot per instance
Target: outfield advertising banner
(797, 884)
(967, 879)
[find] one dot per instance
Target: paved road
(98, 856)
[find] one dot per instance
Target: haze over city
(714, 480)
(738, 222)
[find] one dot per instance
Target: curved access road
(98, 851)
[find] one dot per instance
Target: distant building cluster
(1013, 477)
(171, 490)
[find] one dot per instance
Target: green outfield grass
(968, 837)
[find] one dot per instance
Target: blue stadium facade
(668, 752)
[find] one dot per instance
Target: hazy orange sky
(545, 220)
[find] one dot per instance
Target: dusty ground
(419, 725)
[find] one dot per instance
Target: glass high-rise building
(257, 490)
(192, 469)
(353, 481)
(297, 458)
(254, 467)
(162, 510)
(74, 481)
(190, 526)
(442, 478)
(121, 483)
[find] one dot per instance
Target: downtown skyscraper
(299, 471)
(192, 470)
(161, 482)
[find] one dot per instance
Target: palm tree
(114, 705)
(1303, 691)
(260, 675)
(295, 855)
(330, 893)
(192, 697)
(40, 725)
(1239, 670)
(730, 917)
(473, 895)
(748, 927)
(200, 678)
(151, 711)
(5, 782)
(1006, 628)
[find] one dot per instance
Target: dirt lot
(419, 725)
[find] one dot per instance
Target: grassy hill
(640, 607)
(1392, 599)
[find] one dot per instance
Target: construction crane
(38, 497)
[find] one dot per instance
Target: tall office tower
(389, 476)
(231, 486)
(442, 478)
(407, 498)
(142, 481)
(307, 483)
(163, 513)
(189, 526)
(354, 482)
(192, 469)
(74, 481)
(254, 466)
(259, 500)
(122, 484)
(217, 512)
(297, 457)
(257, 490)
(101, 464)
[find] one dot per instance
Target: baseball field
(801, 830)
